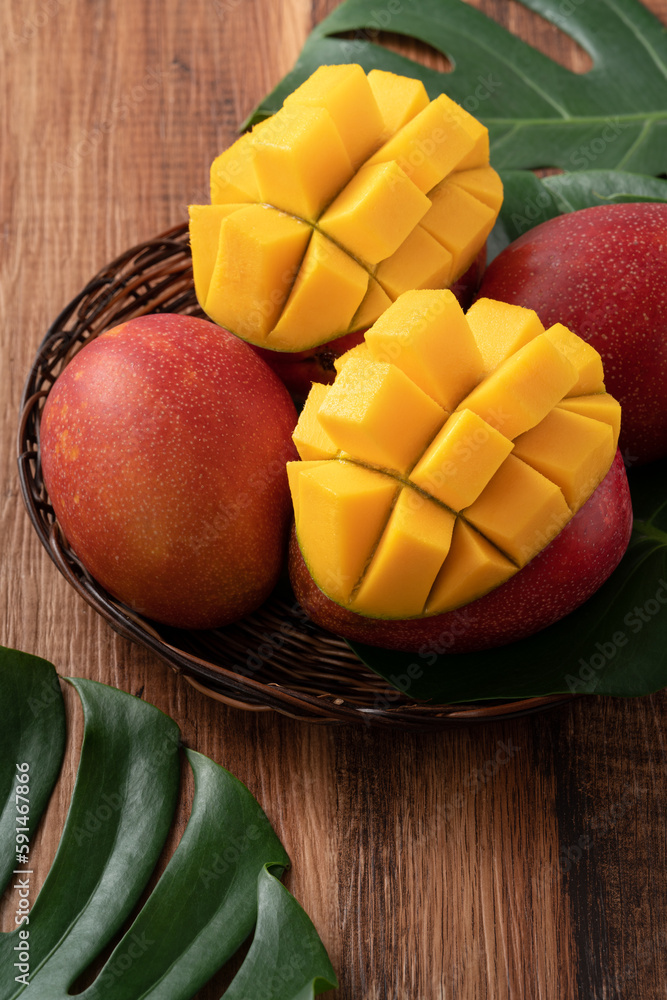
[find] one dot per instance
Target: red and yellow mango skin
(564, 575)
(163, 446)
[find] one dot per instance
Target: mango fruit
(163, 446)
(602, 271)
(358, 189)
(443, 459)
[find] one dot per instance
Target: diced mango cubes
(500, 329)
(409, 555)
(265, 249)
(461, 460)
(399, 185)
(345, 93)
(364, 414)
(427, 480)
(376, 212)
(341, 510)
(586, 360)
(472, 568)
(426, 335)
(599, 406)
(325, 270)
(520, 511)
(570, 450)
(311, 440)
(399, 99)
(522, 390)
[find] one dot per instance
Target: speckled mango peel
(359, 188)
(449, 451)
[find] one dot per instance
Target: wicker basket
(274, 659)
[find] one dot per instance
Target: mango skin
(602, 272)
(163, 447)
(564, 575)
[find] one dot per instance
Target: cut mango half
(449, 451)
(380, 191)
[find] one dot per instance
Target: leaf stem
(649, 530)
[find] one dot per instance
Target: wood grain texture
(525, 859)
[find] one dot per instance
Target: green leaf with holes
(538, 113)
(219, 887)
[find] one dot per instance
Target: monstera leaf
(220, 884)
(538, 113)
(614, 644)
(529, 200)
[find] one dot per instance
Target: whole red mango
(163, 446)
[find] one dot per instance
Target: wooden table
(522, 859)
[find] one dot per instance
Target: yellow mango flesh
(311, 440)
(347, 507)
(520, 511)
(428, 161)
(413, 547)
(586, 360)
(262, 251)
(232, 174)
(600, 406)
(360, 352)
(461, 460)
(500, 329)
(358, 159)
(347, 95)
(460, 222)
(482, 183)
(572, 451)
(419, 262)
(375, 212)
(205, 224)
(376, 414)
(478, 155)
(328, 290)
(522, 390)
(455, 504)
(374, 304)
(301, 161)
(472, 568)
(399, 99)
(425, 333)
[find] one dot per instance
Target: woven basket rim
(312, 675)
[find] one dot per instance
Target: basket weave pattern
(274, 659)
